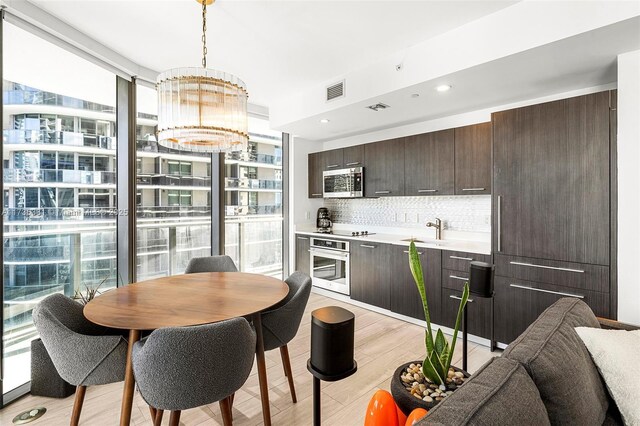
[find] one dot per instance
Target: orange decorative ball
(382, 410)
(415, 416)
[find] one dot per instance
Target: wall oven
(330, 264)
(343, 183)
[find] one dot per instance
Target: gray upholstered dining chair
(280, 324)
(83, 353)
(178, 368)
(211, 264)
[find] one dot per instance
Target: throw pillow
(615, 353)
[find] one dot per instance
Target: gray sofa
(546, 376)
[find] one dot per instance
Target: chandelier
(201, 109)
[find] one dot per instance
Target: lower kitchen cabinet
(370, 273)
(478, 312)
(404, 296)
(518, 303)
(302, 254)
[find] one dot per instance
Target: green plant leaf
(430, 371)
(416, 270)
(463, 303)
(441, 343)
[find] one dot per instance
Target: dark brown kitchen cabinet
(370, 273)
(518, 303)
(429, 163)
(405, 298)
(353, 156)
(384, 173)
(302, 254)
(315, 168)
(478, 312)
(332, 159)
(473, 159)
(551, 180)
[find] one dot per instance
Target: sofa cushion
(560, 365)
(499, 393)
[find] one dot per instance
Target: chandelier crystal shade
(201, 109)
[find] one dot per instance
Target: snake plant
(439, 352)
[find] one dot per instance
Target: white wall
(629, 187)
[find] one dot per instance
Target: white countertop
(478, 247)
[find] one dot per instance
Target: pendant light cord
(204, 33)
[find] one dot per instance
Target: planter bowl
(403, 398)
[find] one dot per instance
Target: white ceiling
(277, 47)
(582, 61)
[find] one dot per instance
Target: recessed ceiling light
(443, 88)
(415, 95)
(324, 121)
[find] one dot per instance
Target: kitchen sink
(427, 241)
(413, 240)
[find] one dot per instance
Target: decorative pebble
(433, 395)
(451, 373)
(459, 375)
(417, 396)
(439, 398)
(427, 399)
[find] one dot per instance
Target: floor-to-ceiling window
(59, 185)
(173, 196)
(253, 198)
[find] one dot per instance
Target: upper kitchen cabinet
(332, 159)
(353, 156)
(429, 163)
(551, 180)
(384, 173)
(473, 159)
(316, 166)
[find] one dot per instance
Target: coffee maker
(323, 221)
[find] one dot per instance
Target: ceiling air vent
(378, 106)
(335, 91)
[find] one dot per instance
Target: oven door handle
(329, 254)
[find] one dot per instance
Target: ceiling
(276, 47)
(582, 61)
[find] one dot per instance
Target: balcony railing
(162, 212)
(253, 210)
(12, 136)
(31, 96)
(173, 180)
(58, 176)
(233, 183)
(255, 158)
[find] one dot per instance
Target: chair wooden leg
(286, 362)
(174, 419)
(225, 408)
(158, 420)
(153, 413)
(77, 405)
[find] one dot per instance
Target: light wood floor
(382, 343)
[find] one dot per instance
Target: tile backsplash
(458, 213)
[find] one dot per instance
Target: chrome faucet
(438, 226)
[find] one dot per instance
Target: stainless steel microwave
(343, 183)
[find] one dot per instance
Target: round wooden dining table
(186, 300)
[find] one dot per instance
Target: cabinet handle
(555, 268)
(461, 258)
(459, 298)
(407, 252)
(353, 163)
(367, 246)
(473, 189)
(455, 277)
(383, 192)
(331, 166)
(315, 195)
(420, 191)
(499, 219)
(303, 238)
(559, 293)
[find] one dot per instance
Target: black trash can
(45, 380)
